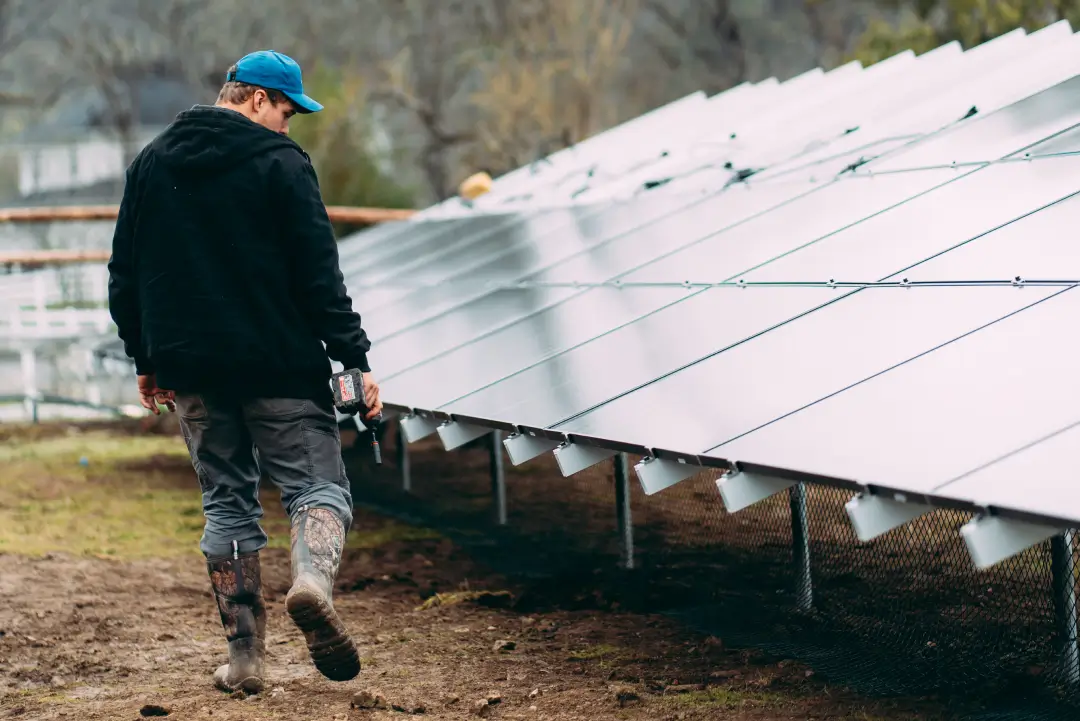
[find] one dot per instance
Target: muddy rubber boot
(318, 537)
(237, 584)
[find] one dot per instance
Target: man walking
(225, 285)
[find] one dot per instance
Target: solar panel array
(859, 277)
(862, 277)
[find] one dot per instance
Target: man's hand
(151, 396)
(371, 397)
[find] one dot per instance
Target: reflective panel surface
(466, 277)
(494, 313)
(795, 364)
(821, 353)
(929, 421)
(998, 134)
(375, 235)
(489, 374)
(1028, 478)
(394, 259)
(687, 331)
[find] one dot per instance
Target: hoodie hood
(209, 139)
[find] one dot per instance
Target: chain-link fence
(906, 614)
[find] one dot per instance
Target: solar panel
(986, 78)
(394, 320)
(728, 255)
(642, 133)
(533, 397)
(449, 282)
(381, 259)
(1028, 121)
(776, 128)
(615, 253)
(375, 235)
(562, 315)
(936, 417)
(514, 313)
(1035, 466)
(851, 336)
(682, 333)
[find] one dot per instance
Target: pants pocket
(322, 445)
(192, 430)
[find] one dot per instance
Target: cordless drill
(350, 399)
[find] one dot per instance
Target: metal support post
(402, 449)
(498, 477)
(28, 359)
(1062, 548)
(622, 510)
(800, 543)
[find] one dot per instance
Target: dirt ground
(106, 613)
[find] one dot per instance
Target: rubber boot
(318, 537)
(237, 584)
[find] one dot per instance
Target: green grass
(116, 505)
(729, 699)
(599, 651)
(136, 496)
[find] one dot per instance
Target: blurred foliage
(539, 93)
(926, 24)
(451, 86)
(339, 141)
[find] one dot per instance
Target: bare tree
(23, 26)
(833, 27)
(705, 33)
(430, 53)
(113, 50)
(551, 80)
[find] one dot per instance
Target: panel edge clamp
(455, 434)
(414, 427)
(740, 489)
(575, 458)
(522, 447)
(875, 515)
(992, 539)
(658, 474)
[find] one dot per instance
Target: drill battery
(350, 399)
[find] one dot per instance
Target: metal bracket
(741, 489)
(657, 474)
(455, 434)
(521, 447)
(873, 516)
(573, 458)
(992, 539)
(415, 427)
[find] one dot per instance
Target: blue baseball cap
(274, 71)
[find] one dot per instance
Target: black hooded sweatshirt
(224, 274)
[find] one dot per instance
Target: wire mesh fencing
(904, 615)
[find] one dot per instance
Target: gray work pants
(296, 442)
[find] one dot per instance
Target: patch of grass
(125, 496)
(599, 651)
(494, 599)
(724, 698)
(44, 696)
(99, 494)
